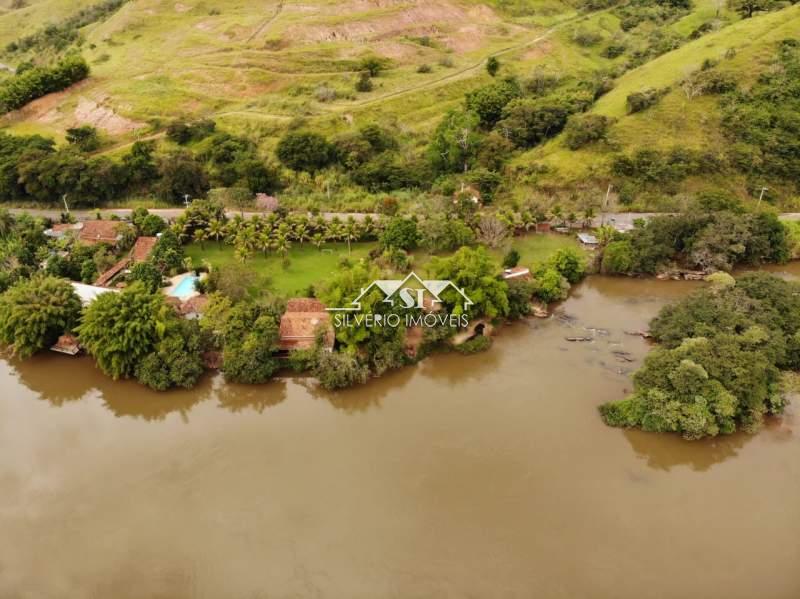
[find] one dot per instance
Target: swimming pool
(185, 287)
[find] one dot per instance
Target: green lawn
(307, 266)
(536, 248)
(310, 266)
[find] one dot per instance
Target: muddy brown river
(483, 476)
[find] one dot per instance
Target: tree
(570, 263)
(176, 360)
(492, 65)
(85, 138)
(34, 312)
(455, 142)
(617, 258)
(304, 151)
(181, 175)
(251, 337)
(373, 65)
(473, 271)
(167, 254)
(488, 101)
(147, 274)
(530, 121)
(492, 231)
(120, 329)
(551, 285)
(747, 8)
(400, 233)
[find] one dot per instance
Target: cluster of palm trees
(529, 217)
(276, 234)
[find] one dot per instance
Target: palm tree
(216, 230)
(282, 246)
(318, 240)
(264, 242)
(301, 233)
(200, 237)
(350, 232)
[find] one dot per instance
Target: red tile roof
(304, 304)
(299, 330)
(142, 248)
(100, 231)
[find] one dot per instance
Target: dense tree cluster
(718, 369)
(702, 241)
(18, 90)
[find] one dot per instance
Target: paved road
(165, 213)
(620, 218)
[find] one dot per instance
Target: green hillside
(261, 70)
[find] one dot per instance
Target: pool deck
(176, 280)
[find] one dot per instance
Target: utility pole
(761, 196)
(605, 206)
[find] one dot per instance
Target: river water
(481, 476)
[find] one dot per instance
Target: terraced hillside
(262, 61)
(262, 69)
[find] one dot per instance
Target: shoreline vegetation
(137, 332)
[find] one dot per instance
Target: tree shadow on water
(361, 397)
(239, 398)
(667, 451)
(60, 380)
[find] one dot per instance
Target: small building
(518, 273)
(543, 227)
(304, 320)
(89, 293)
(90, 232)
(61, 230)
(67, 344)
(101, 231)
(139, 253)
(193, 307)
(587, 239)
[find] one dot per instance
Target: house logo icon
(412, 292)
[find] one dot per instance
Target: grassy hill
(743, 49)
(260, 69)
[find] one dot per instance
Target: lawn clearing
(307, 265)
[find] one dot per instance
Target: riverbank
(454, 459)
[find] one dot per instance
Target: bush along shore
(717, 370)
(235, 322)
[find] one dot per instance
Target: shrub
(639, 101)
(551, 286)
(424, 68)
(336, 370)
(511, 259)
(585, 129)
(304, 151)
(400, 233)
(364, 82)
(617, 258)
(477, 344)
